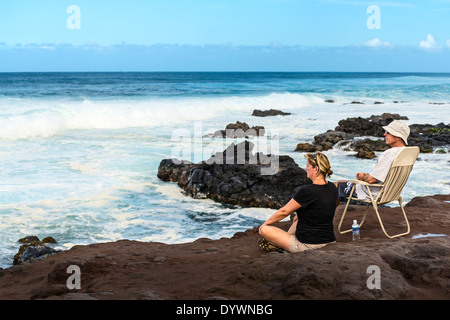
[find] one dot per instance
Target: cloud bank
(374, 56)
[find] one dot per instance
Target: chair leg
(365, 215)
(342, 219)
(345, 211)
(375, 207)
(343, 214)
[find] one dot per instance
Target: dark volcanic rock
(171, 169)
(308, 147)
(324, 141)
(436, 201)
(371, 126)
(328, 139)
(365, 154)
(369, 144)
(427, 137)
(239, 177)
(269, 113)
(240, 130)
(32, 249)
(365, 148)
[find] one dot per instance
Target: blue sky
(225, 35)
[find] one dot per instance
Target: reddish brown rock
(234, 268)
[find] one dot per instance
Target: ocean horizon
(80, 150)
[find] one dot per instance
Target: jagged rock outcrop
(33, 249)
(239, 130)
(324, 141)
(239, 177)
(269, 113)
(427, 137)
(371, 126)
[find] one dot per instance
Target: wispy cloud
(429, 44)
(368, 3)
(377, 43)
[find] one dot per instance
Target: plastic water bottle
(355, 230)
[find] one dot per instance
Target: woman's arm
(282, 213)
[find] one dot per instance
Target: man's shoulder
(392, 152)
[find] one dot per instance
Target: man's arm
(363, 176)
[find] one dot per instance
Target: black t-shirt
(315, 217)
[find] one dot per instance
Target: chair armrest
(365, 183)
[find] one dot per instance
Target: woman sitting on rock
(315, 205)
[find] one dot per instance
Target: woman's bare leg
(276, 236)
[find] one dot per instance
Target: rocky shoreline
(416, 266)
(235, 175)
(429, 138)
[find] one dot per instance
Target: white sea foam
(29, 118)
(34, 118)
(85, 171)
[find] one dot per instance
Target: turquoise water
(80, 151)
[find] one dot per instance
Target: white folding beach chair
(390, 190)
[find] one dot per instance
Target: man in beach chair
(387, 179)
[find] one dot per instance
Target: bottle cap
(354, 221)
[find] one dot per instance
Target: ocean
(80, 151)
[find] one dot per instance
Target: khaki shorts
(297, 246)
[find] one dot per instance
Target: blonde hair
(320, 160)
